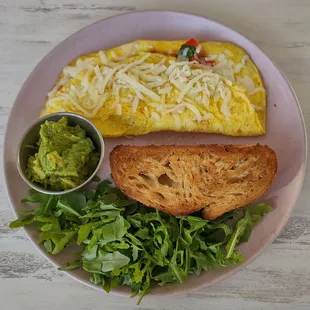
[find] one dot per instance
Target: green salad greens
(125, 243)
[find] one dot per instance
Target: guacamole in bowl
(66, 156)
(60, 153)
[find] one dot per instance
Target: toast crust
(180, 180)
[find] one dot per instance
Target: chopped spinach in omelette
(66, 156)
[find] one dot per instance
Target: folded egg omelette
(143, 87)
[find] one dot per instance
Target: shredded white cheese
(189, 86)
(116, 101)
(109, 76)
(174, 64)
(157, 83)
(135, 63)
(256, 108)
(103, 57)
(117, 58)
(224, 106)
(244, 59)
(246, 82)
(256, 90)
(146, 112)
(205, 99)
(196, 83)
(228, 53)
(177, 120)
(65, 79)
(135, 104)
(221, 57)
(207, 116)
(166, 90)
(138, 86)
(191, 107)
(158, 69)
(238, 68)
(162, 99)
(72, 100)
(119, 109)
(155, 116)
(145, 67)
(211, 57)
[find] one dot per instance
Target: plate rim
(183, 290)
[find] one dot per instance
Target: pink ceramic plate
(285, 125)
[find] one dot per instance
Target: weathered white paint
(278, 279)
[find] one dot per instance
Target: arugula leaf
(84, 232)
(74, 265)
(243, 230)
(234, 239)
(76, 200)
(106, 285)
(48, 244)
(90, 194)
(65, 207)
(94, 239)
(59, 246)
(103, 187)
(246, 234)
(143, 292)
(115, 230)
(47, 206)
(164, 277)
(260, 209)
(46, 227)
(95, 278)
(36, 198)
(143, 233)
(43, 219)
(26, 220)
(105, 262)
(96, 179)
(109, 215)
(135, 252)
(47, 202)
(125, 243)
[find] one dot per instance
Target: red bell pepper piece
(210, 62)
(191, 42)
(202, 53)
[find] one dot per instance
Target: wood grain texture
(279, 278)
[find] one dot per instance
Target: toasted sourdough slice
(184, 179)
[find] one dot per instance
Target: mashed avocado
(66, 157)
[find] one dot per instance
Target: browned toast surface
(184, 179)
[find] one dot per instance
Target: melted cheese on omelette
(140, 87)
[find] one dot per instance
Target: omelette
(145, 86)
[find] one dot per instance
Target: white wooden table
(278, 279)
